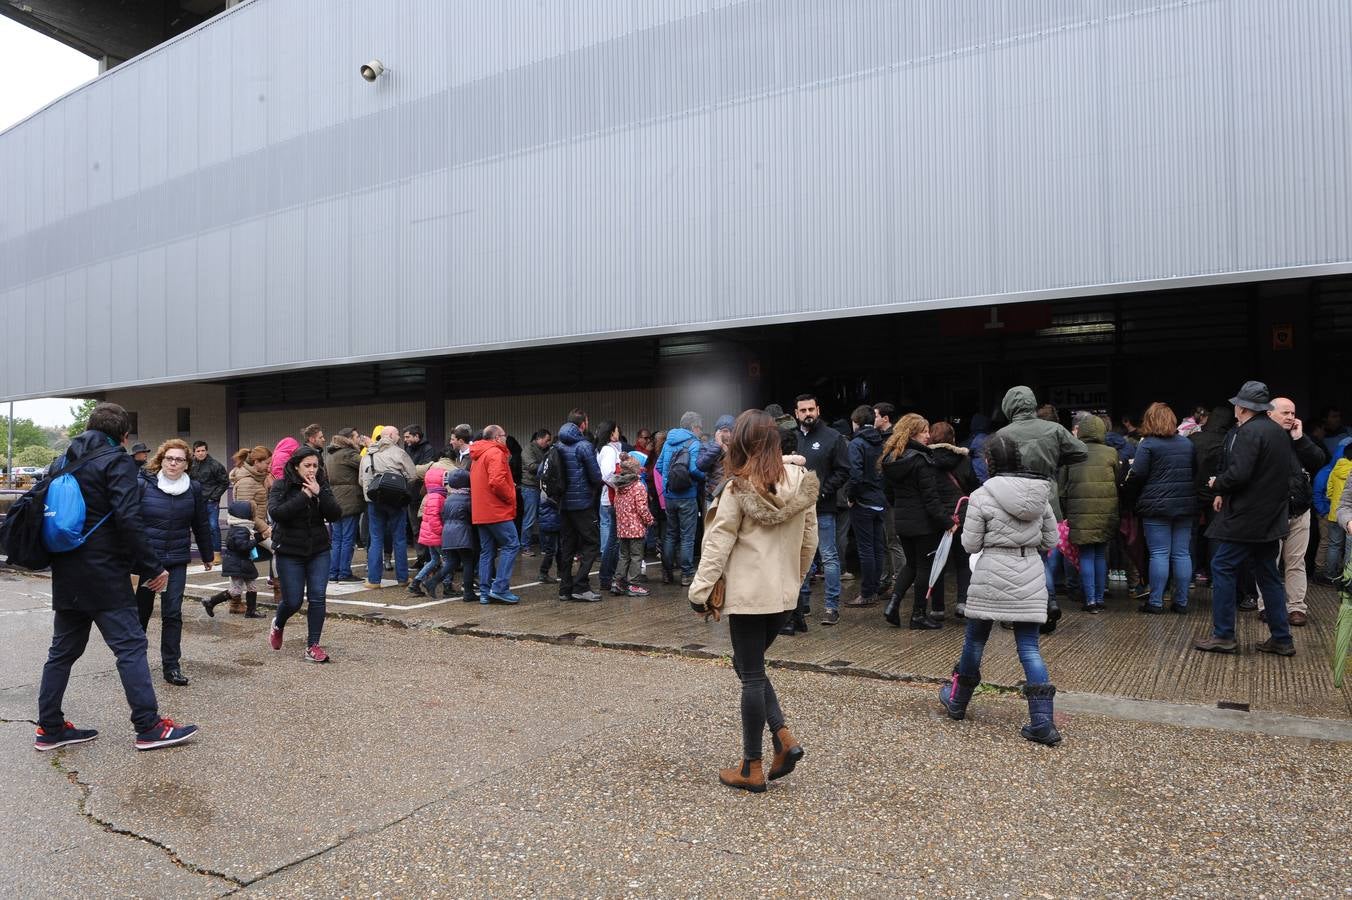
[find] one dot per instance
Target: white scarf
(173, 488)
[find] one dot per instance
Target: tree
(80, 416)
(26, 434)
(34, 456)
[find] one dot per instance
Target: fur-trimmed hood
(961, 451)
(798, 492)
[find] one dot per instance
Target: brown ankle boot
(236, 606)
(787, 753)
(749, 776)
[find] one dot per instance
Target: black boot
(892, 611)
(957, 693)
(919, 620)
(1040, 728)
(251, 605)
(214, 601)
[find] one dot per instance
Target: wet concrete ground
(423, 763)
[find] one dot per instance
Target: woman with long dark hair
(760, 539)
(918, 509)
(301, 506)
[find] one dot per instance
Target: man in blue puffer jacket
(579, 517)
(683, 445)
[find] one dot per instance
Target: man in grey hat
(140, 453)
(1252, 496)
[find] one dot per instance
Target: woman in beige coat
(760, 536)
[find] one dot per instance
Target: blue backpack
(63, 512)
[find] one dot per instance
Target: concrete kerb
(1110, 706)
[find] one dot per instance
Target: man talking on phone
(91, 586)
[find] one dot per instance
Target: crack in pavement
(4, 721)
(87, 790)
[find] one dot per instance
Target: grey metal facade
(239, 200)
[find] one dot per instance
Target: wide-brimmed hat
(1254, 395)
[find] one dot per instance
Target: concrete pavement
(421, 763)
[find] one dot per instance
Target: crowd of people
(754, 513)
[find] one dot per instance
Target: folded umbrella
(1342, 630)
(941, 552)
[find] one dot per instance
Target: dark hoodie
(866, 482)
(299, 520)
(976, 442)
(240, 542)
(1209, 443)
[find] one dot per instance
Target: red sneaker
(315, 654)
(275, 636)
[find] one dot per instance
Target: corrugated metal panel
(530, 172)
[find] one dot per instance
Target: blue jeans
(1094, 571)
(497, 539)
(171, 614)
(214, 523)
(387, 522)
(1333, 556)
(681, 516)
(125, 637)
(1170, 541)
(530, 502)
(826, 547)
(610, 547)
(1226, 559)
(1050, 563)
(870, 534)
(1025, 639)
(305, 578)
(344, 538)
(433, 564)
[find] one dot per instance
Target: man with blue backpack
(93, 557)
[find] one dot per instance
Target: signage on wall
(1283, 337)
(1078, 396)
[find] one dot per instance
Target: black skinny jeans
(919, 559)
(752, 635)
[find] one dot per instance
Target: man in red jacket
(492, 498)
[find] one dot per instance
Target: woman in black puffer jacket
(912, 482)
(300, 505)
(956, 480)
(1163, 479)
(174, 510)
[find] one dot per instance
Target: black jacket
(1255, 483)
(913, 483)
(866, 482)
(1163, 478)
(97, 575)
(213, 478)
(172, 522)
(298, 520)
(955, 477)
(1210, 445)
(1307, 458)
(827, 455)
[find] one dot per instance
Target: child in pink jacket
(632, 518)
(429, 535)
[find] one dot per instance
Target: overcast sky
(36, 70)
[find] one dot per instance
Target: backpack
(388, 488)
(678, 479)
(48, 519)
(553, 475)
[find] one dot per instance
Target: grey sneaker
(685, 581)
(830, 617)
(587, 596)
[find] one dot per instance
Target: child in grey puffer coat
(1009, 523)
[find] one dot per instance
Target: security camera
(372, 70)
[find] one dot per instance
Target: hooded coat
(492, 491)
(281, 454)
(429, 532)
(457, 531)
(1044, 447)
(762, 544)
(976, 443)
(1089, 488)
(173, 521)
(385, 455)
(96, 575)
(1009, 520)
(342, 459)
(240, 541)
(913, 483)
(300, 527)
(955, 477)
(678, 441)
(247, 485)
